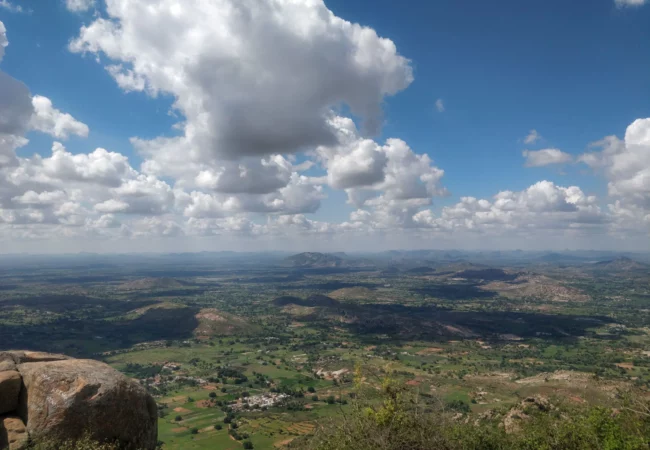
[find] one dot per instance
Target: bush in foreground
(398, 419)
(85, 443)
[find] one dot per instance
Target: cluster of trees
(142, 371)
(225, 373)
(287, 390)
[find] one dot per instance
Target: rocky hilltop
(48, 397)
(315, 260)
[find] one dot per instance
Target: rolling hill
(621, 264)
(315, 260)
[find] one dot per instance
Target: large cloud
(15, 111)
(367, 170)
(15, 106)
(626, 166)
(251, 77)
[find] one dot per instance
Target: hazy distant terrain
(249, 337)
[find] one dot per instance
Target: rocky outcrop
(522, 412)
(54, 398)
(13, 434)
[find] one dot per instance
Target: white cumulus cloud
(251, 77)
(50, 120)
(625, 163)
(542, 206)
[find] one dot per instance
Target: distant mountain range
(315, 260)
(560, 257)
(621, 264)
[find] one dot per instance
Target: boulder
(64, 399)
(13, 434)
(10, 384)
(514, 417)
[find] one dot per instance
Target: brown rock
(10, 383)
(7, 362)
(25, 356)
(41, 357)
(11, 356)
(13, 434)
(7, 365)
(64, 399)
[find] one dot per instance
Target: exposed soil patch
(536, 286)
(430, 351)
(211, 316)
(301, 427)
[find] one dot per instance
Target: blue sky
(573, 71)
